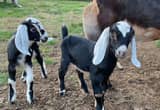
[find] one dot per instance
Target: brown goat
(143, 15)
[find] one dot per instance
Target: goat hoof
(30, 102)
(62, 93)
(12, 102)
(45, 77)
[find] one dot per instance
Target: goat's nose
(44, 39)
(121, 51)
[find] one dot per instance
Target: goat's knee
(82, 81)
(29, 82)
(42, 64)
(23, 77)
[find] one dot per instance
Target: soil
(133, 89)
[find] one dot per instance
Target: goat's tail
(64, 31)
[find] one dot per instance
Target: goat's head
(31, 30)
(36, 31)
(117, 38)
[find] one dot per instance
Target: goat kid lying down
(98, 58)
(21, 47)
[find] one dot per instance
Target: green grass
(4, 35)
(158, 43)
(52, 14)
(3, 78)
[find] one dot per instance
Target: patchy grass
(4, 35)
(158, 43)
(49, 60)
(52, 42)
(52, 14)
(3, 78)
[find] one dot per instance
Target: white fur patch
(21, 40)
(63, 91)
(121, 50)
(123, 27)
(21, 59)
(29, 79)
(134, 59)
(101, 46)
(45, 70)
(13, 83)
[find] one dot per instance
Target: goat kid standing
(21, 47)
(99, 57)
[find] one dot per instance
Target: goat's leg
(29, 82)
(23, 77)
(62, 71)
(41, 62)
(96, 81)
(106, 84)
(82, 81)
(12, 82)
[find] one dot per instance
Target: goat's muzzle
(121, 51)
(44, 39)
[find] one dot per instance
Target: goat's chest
(21, 59)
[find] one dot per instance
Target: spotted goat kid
(21, 47)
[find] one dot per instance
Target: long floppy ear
(101, 47)
(134, 59)
(22, 39)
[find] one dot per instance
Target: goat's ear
(134, 59)
(101, 47)
(22, 39)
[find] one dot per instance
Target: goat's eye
(114, 36)
(33, 29)
(42, 31)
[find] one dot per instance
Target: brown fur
(97, 17)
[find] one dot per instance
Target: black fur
(14, 55)
(79, 51)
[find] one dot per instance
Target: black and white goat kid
(99, 58)
(21, 47)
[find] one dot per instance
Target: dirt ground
(133, 89)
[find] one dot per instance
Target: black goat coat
(79, 51)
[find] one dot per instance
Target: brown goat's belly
(146, 34)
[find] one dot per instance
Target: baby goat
(98, 58)
(20, 51)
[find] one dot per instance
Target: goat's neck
(110, 55)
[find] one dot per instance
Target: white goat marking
(29, 79)
(13, 84)
(45, 70)
(123, 27)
